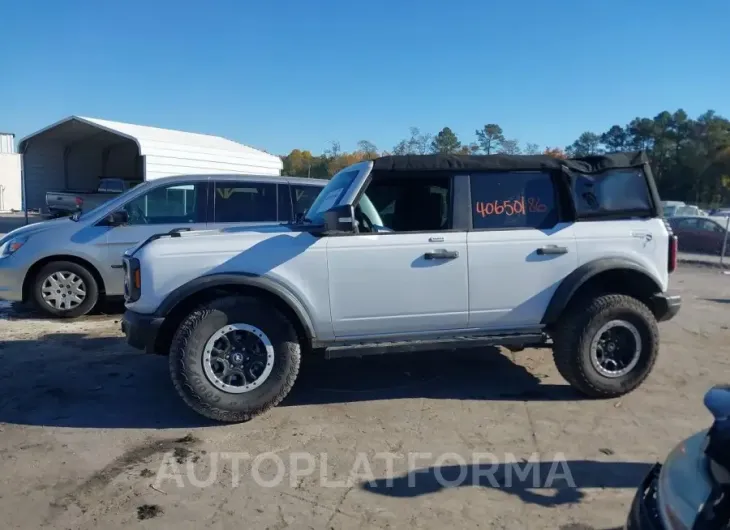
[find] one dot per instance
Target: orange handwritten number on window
(534, 205)
(508, 207)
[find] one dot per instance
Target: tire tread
(187, 392)
(570, 338)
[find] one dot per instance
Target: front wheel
(608, 347)
(65, 289)
(234, 358)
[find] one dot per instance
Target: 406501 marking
(511, 207)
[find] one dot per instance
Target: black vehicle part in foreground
(644, 514)
(714, 512)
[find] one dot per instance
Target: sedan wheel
(63, 291)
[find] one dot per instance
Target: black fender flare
(243, 279)
(571, 283)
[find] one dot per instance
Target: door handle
(120, 266)
(551, 249)
(441, 254)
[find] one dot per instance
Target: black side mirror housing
(118, 218)
(340, 219)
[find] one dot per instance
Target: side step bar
(437, 343)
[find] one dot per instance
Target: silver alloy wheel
(238, 358)
(63, 290)
(616, 348)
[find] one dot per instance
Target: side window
(284, 209)
(111, 186)
(177, 203)
(613, 191)
(244, 202)
(303, 196)
(710, 226)
(688, 224)
(513, 200)
(413, 204)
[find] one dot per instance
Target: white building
(11, 189)
(75, 152)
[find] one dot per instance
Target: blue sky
(297, 74)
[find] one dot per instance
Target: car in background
(680, 208)
(699, 234)
(669, 208)
(66, 202)
(65, 266)
(691, 490)
(690, 209)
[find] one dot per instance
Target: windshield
(669, 211)
(330, 196)
(114, 203)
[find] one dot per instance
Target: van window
(503, 200)
(111, 186)
(285, 206)
(613, 191)
(244, 202)
(303, 197)
(176, 203)
(295, 199)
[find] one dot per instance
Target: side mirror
(118, 218)
(340, 219)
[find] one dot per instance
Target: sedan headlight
(12, 245)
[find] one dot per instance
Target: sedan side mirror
(118, 218)
(340, 219)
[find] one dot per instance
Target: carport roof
(152, 140)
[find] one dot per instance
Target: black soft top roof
(588, 164)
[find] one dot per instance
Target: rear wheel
(607, 347)
(65, 289)
(234, 358)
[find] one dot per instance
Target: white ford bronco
(414, 253)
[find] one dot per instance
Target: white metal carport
(75, 152)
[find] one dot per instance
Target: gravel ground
(91, 434)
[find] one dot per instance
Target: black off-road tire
(186, 359)
(92, 289)
(572, 343)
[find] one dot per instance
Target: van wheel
(607, 347)
(234, 358)
(65, 289)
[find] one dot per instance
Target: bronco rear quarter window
(612, 192)
(503, 200)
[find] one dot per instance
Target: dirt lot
(87, 423)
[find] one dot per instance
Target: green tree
(299, 163)
(587, 144)
(470, 149)
(490, 137)
(641, 134)
(615, 139)
(368, 149)
(445, 142)
(510, 147)
(690, 158)
(532, 149)
(417, 144)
